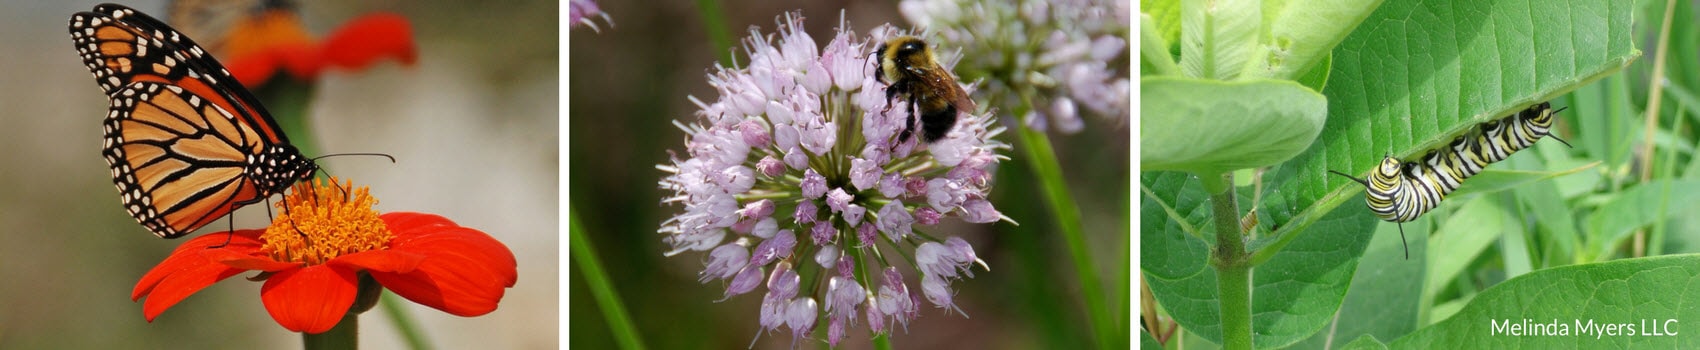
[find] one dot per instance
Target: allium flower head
(797, 167)
(1063, 53)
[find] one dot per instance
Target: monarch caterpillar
(1399, 192)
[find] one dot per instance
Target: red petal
(253, 69)
(365, 40)
(465, 271)
(380, 261)
(187, 270)
(303, 61)
(259, 262)
(311, 299)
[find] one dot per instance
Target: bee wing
(937, 79)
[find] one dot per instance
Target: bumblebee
(907, 66)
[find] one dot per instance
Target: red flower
(264, 43)
(311, 262)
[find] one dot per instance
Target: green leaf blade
(1643, 291)
(1210, 127)
(1416, 74)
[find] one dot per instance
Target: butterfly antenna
(392, 158)
(337, 185)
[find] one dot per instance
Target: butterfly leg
(228, 234)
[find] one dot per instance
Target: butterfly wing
(120, 45)
(187, 144)
(178, 160)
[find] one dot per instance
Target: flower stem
(714, 22)
(287, 100)
(1043, 162)
(584, 256)
(346, 335)
(1233, 269)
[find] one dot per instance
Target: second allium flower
(796, 171)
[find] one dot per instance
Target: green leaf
(1636, 207)
(1219, 38)
(1317, 79)
(1294, 294)
(1643, 292)
(1167, 231)
(1166, 15)
(1494, 180)
(1147, 342)
(1364, 342)
(1417, 73)
(1154, 57)
(1555, 220)
(1467, 233)
(1383, 299)
(1210, 127)
(1303, 32)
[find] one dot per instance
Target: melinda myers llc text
(1529, 327)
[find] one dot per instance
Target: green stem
(584, 256)
(346, 335)
(714, 23)
(1233, 269)
(287, 100)
(1043, 162)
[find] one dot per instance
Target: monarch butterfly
(1399, 192)
(187, 144)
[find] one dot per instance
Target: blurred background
(628, 83)
(473, 125)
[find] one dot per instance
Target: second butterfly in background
(1400, 192)
(186, 142)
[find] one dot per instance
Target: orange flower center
(320, 221)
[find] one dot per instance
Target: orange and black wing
(177, 159)
(120, 46)
(187, 144)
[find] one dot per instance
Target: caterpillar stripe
(1403, 191)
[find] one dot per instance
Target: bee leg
(908, 124)
(891, 94)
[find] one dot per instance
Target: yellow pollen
(320, 221)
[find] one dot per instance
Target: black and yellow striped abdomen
(1399, 191)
